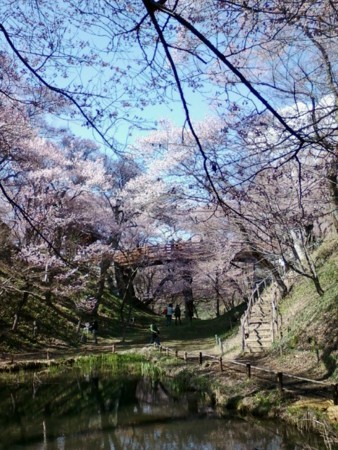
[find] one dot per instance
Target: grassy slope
(310, 322)
(310, 325)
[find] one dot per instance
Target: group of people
(169, 311)
(90, 327)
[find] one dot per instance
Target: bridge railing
(185, 250)
(149, 253)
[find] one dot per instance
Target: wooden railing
(184, 250)
(281, 380)
(151, 253)
(328, 390)
(254, 297)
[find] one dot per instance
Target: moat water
(86, 410)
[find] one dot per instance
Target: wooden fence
(281, 380)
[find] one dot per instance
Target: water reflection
(98, 412)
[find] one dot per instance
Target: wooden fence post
(201, 358)
(248, 370)
(176, 353)
(221, 363)
(280, 380)
(47, 356)
(113, 349)
(185, 356)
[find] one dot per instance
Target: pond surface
(92, 411)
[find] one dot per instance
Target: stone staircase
(260, 322)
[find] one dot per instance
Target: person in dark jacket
(154, 334)
(94, 327)
(177, 314)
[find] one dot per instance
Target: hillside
(309, 339)
(307, 344)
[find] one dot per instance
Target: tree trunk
(272, 269)
(188, 295)
(218, 297)
(21, 304)
(259, 256)
(124, 279)
(104, 266)
(333, 188)
(318, 287)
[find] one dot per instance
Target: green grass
(307, 317)
(310, 320)
(199, 334)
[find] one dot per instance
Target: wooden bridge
(151, 255)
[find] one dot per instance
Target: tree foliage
(258, 176)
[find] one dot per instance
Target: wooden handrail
(245, 364)
(279, 376)
(252, 300)
(176, 250)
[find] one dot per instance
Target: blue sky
(125, 135)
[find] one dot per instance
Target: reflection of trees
(96, 412)
(158, 403)
(149, 392)
(209, 434)
(87, 404)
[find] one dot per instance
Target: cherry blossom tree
(269, 206)
(127, 57)
(266, 71)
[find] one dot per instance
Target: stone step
(263, 345)
(262, 302)
(254, 335)
(255, 349)
(259, 320)
(261, 313)
(260, 339)
(255, 343)
(260, 310)
(259, 327)
(262, 323)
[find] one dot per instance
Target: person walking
(170, 312)
(177, 314)
(154, 334)
(94, 327)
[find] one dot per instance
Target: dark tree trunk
(21, 304)
(259, 256)
(124, 279)
(272, 269)
(104, 266)
(333, 188)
